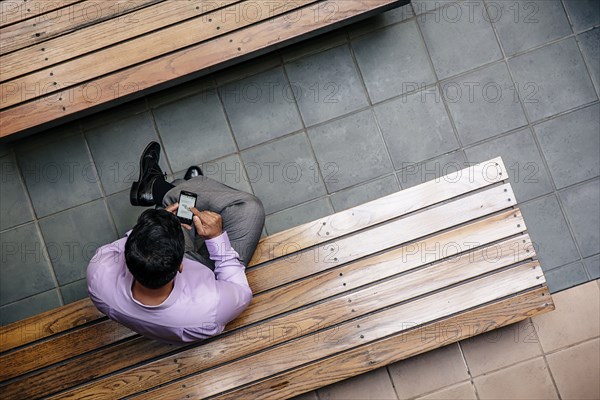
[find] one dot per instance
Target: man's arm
(233, 289)
(99, 272)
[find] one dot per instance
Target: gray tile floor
(330, 123)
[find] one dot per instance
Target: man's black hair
(154, 249)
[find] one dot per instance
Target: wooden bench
(65, 59)
(348, 293)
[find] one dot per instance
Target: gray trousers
(242, 213)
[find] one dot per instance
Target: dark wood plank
(60, 348)
(131, 52)
(47, 324)
(395, 348)
(82, 369)
(186, 64)
(103, 34)
(68, 19)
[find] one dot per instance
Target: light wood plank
(122, 55)
(339, 224)
(380, 210)
(103, 34)
(76, 16)
(454, 243)
(395, 348)
(306, 321)
(253, 41)
(18, 10)
(304, 263)
(352, 334)
(287, 298)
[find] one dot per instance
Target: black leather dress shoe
(192, 172)
(150, 171)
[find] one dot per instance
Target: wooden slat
(103, 34)
(18, 10)
(82, 369)
(308, 320)
(77, 16)
(351, 334)
(397, 347)
(302, 293)
(381, 266)
(379, 210)
(49, 352)
(132, 52)
(337, 225)
(254, 40)
(304, 263)
(47, 324)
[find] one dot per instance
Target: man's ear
(181, 268)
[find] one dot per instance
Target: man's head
(154, 249)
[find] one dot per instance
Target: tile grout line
(230, 127)
(542, 355)
(304, 203)
(570, 346)
(546, 361)
(99, 182)
(587, 67)
(438, 85)
(535, 123)
(56, 212)
(304, 130)
(35, 221)
(535, 138)
(102, 191)
(371, 107)
(471, 379)
(389, 375)
(539, 149)
(440, 389)
(414, 92)
(157, 132)
(29, 297)
(576, 35)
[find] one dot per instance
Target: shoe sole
(133, 192)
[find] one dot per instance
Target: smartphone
(187, 200)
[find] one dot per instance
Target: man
(159, 279)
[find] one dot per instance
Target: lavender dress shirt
(200, 305)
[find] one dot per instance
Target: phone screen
(186, 202)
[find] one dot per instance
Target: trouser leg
(242, 213)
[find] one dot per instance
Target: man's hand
(208, 224)
(173, 210)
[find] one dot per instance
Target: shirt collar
(169, 301)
